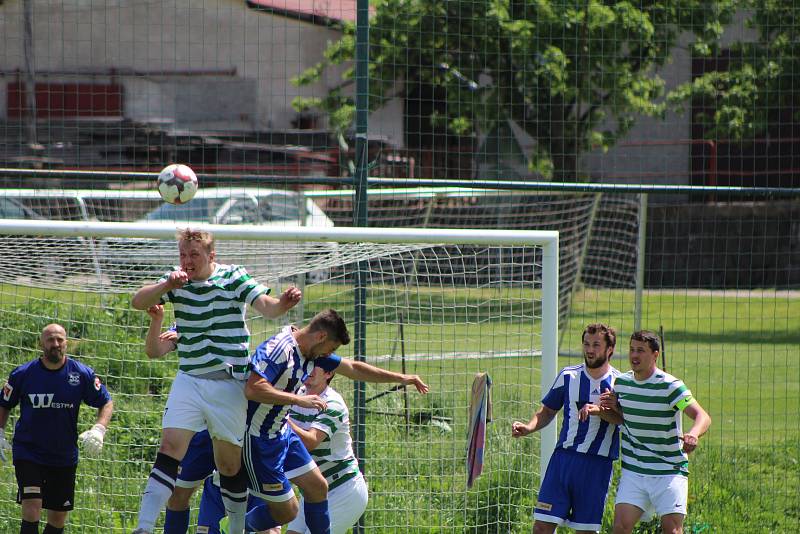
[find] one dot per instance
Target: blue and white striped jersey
(278, 360)
(572, 389)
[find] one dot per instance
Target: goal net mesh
(444, 312)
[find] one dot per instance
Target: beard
(596, 363)
(54, 355)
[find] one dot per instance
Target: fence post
(640, 250)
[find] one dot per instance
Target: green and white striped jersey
(334, 455)
(210, 320)
(652, 428)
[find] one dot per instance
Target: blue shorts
(198, 462)
(271, 463)
(212, 510)
(574, 490)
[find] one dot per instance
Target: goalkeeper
(50, 390)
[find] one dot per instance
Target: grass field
(737, 353)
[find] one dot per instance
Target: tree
(755, 88)
(574, 74)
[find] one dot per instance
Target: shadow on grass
(740, 337)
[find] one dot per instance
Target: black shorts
(55, 485)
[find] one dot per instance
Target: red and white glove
(92, 439)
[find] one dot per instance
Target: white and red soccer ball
(177, 184)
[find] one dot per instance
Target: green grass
(738, 355)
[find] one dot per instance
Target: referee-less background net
(434, 303)
(660, 139)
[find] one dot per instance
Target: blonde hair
(205, 238)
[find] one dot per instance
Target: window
(243, 211)
(280, 207)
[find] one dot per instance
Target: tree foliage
(574, 74)
(760, 79)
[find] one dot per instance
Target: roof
(315, 11)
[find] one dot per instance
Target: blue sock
(259, 519)
(176, 521)
(317, 519)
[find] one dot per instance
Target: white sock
(159, 487)
(235, 501)
(154, 500)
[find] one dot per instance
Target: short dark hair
(646, 336)
(332, 323)
(599, 328)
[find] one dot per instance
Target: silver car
(132, 261)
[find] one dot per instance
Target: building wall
(247, 58)
(658, 150)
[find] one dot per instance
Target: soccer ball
(177, 184)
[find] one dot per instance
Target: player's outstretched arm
(311, 438)
(270, 307)
(702, 421)
(540, 419)
(259, 389)
(158, 343)
(365, 372)
(151, 294)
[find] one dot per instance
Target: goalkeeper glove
(92, 439)
(4, 445)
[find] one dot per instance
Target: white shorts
(346, 504)
(667, 494)
(196, 403)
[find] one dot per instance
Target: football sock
(159, 487)
(317, 519)
(259, 518)
(234, 497)
(50, 529)
(176, 521)
(29, 527)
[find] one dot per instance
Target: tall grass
(737, 354)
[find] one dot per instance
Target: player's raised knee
(285, 512)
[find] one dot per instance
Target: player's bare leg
(161, 483)
(57, 518)
(177, 516)
(315, 499)
(625, 518)
(543, 527)
(232, 483)
(672, 524)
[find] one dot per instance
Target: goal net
(443, 304)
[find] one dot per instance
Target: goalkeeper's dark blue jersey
(47, 429)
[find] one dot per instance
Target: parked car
(148, 259)
(129, 262)
(34, 256)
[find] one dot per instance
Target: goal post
(441, 303)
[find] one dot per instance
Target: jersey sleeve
(169, 295)
(328, 363)
(681, 397)
(249, 290)
(555, 397)
(95, 393)
(10, 396)
(329, 420)
(268, 366)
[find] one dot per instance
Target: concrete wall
(265, 51)
(730, 246)
(658, 150)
